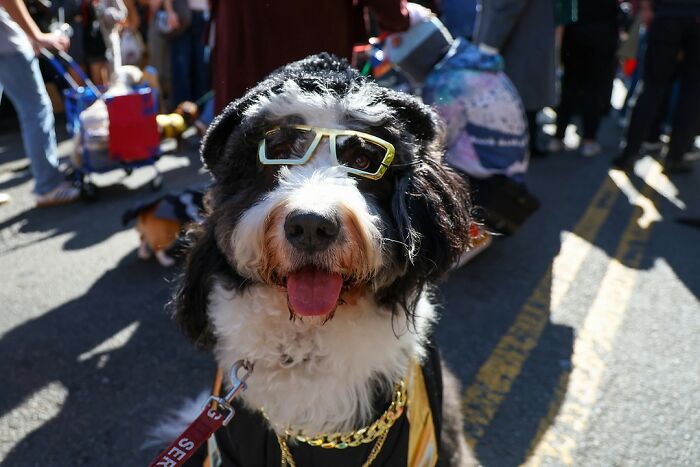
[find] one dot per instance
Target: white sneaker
(4, 198)
(590, 149)
(64, 193)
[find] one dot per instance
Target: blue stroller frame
(77, 98)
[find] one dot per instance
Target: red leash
(217, 412)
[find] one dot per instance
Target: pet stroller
(111, 131)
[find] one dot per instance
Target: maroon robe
(254, 37)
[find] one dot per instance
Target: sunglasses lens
(359, 153)
(287, 143)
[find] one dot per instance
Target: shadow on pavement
(114, 392)
(86, 221)
(14, 177)
(674, 241)
(474, 327)
(483, 299)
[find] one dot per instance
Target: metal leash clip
(238, 384)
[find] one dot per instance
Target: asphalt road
(577, 339)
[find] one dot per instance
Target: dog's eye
(361, 162)
(287, 143)
(360, 154)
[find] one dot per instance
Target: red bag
(133, 131)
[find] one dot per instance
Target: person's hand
(173, 20)
(646, 12)
(417, 13)
(51, 41)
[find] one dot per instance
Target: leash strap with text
(210, 420)
(216, 413)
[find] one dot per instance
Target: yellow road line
(548, 419)
(496, 376)
(571, 409)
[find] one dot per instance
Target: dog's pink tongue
(313, 292)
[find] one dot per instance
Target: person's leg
(601, 62)
(533, 130)
(98, 72)
(200, 65)
(180, 54)
(567, 99)
(159, 57)
(660, 63)
(657, 126)
(566, 104)
(23, 84)
(687, 113)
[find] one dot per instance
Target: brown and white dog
(319, 271)
(161, 222)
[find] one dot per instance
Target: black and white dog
(330, 215)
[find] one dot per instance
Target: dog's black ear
(430, 204)
(204, 264)
(432, 211)
(215, 141)
(420, 122)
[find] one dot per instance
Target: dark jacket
(597, 10)
(523, 31)
(677, 7)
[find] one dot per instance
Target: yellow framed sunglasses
(360, 153)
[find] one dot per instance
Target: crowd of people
(198, 46)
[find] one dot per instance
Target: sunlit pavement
(577, 339)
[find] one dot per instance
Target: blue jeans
(190, 67)
(21, 79)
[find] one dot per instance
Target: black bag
(501, 203)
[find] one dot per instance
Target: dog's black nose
(311, 232)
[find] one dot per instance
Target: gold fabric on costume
(422, 444)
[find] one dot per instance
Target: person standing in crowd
(21, 80)
(101, 19)
(252, 38)
(459, 16)
(588, 58)
(673, 49)
(189, 64)
(522, 31)
(159, 53)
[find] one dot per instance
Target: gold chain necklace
(378, 431)
(288, 460)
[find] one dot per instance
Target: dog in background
(173, 125)
(330, 217)
(160, 223)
